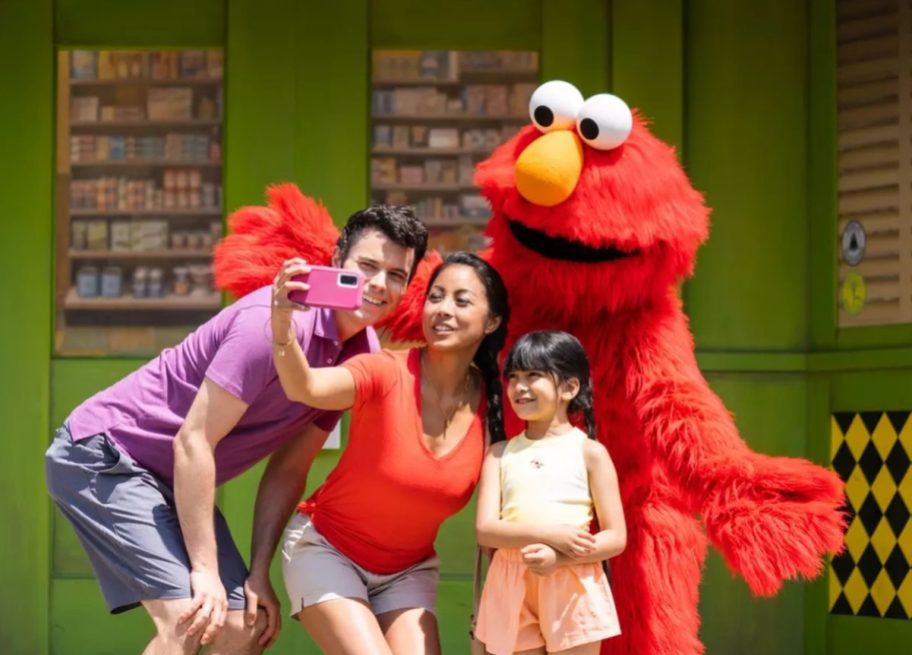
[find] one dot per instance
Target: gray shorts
(126, 521)
(315, 572)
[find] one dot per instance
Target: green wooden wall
(745, 90)
(26, 144)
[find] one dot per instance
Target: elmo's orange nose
(549, 168)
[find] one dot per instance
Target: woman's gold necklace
(448, 418)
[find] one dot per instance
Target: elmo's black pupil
(544, 116)
(589, 128)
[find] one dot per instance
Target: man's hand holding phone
(283, 286)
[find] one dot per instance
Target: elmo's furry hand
(775, 524)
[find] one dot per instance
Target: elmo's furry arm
(773, 518)
(261, 238)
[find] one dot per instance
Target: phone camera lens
(348, 280)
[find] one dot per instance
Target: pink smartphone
(336, 288)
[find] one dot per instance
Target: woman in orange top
(358, 557)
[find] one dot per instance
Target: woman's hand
(541, 559)
(282, 305)
(571, 540)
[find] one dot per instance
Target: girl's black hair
(561, 355)
(486, 356)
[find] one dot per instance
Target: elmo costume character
(594, 224)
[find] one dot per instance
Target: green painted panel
(770, 413)
(454, 607)
(736, 622)
(456, 544)
(80, 622)
(745, 129)
(769, 410)
(647, 62)
(874, 336)
(872, 391)
(816, 597)
(260, 111)
(574, 44)
(466, 25)
(26, 168)
(851, 635)
(74, 380)
(822, 172)
(332, 105)
(854, 360)
(139, 23)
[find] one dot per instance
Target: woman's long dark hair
(561, 355)
(486, 356)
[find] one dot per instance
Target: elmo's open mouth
(561, 248)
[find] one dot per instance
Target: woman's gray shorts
(316, 572)
(125, 518)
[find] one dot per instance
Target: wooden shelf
(145, 123)
(140, 254)
(512, 75)
(461, 118)
(142, 81)
(455, 222)
(429, 152)
(527, 74)
(437, 83)
(156, 213)
(144, 163)
(424, 188)
(209, 301)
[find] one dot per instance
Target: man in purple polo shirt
(134, 468)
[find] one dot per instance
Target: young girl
(546, 589)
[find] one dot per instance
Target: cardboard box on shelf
(383, 136)
(443, 137)
(419, 136)
(192, 64)
(401, 136)
(146, 235)
(215, 64)
(170, 103)
(411, 175)
(383, 170)
(83, 64)
(121, 235)
(520, 95)
(473, 205)
(84, 109)
(97, 235)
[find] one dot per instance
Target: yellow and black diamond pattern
(871, 453)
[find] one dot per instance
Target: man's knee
(238, 638)
(171, 635)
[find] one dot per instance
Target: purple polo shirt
(142, 413)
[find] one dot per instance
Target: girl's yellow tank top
(545, 480)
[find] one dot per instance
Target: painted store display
(141, 157)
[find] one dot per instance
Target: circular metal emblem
(853, 243)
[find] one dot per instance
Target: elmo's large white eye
(555, 105)
(604, 121)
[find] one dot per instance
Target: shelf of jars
(140, 157)
(435, 114)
